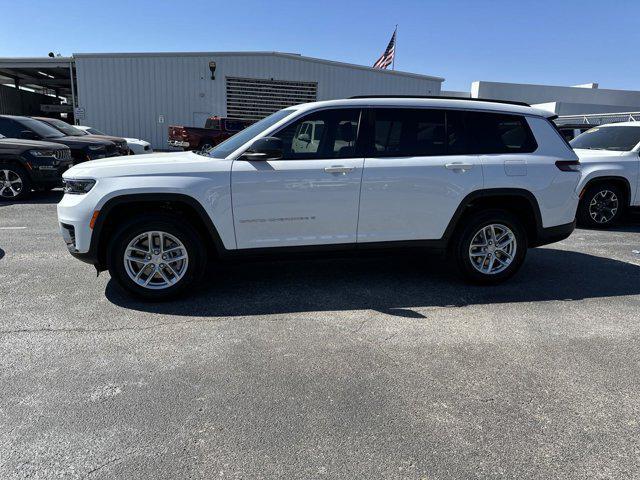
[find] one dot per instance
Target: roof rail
(507, 102)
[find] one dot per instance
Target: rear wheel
(601, 206)
(491, 247)
(156, 257)
(14, 183)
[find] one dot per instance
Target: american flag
(386, 58)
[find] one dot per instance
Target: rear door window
(403, 132)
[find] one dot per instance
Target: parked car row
(35, 151)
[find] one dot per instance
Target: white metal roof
(35, 62)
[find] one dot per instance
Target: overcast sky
(548, 42)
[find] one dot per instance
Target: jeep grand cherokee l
(29, 129)
(29, 164)
(481, 180)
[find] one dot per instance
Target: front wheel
(14, 183)
(601, 206)
(491, 247)
(156, 258)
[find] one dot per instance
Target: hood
(80, 142)
(140, 165)
(586, 155)
(13, 144)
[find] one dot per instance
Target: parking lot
(377, 367)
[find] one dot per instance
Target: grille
(62, 154)
(256, 98)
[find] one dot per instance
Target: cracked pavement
(378, 367)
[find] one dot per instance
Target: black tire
(25, 185)
(472, 225)
(596, 205)
(174, 226)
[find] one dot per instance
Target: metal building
(141, 94)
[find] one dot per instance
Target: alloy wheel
(11, 184)
(492, 249)
(603, 206)
(156, 260)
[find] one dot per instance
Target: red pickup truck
(216, 129)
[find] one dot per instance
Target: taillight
(568, 165)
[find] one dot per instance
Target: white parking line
(12, 228)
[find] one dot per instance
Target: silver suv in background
(610, 158)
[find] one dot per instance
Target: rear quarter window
(495, 133)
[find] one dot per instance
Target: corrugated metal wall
(140, 95)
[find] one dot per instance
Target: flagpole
(395, 48)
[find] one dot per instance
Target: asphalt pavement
(378, 367)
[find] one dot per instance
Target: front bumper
(48, 174)
(74, 218)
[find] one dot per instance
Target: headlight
(96, 147)
(42, 153)
(77, 187)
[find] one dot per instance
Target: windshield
(236, 141)
(65, 128)
(621, 139)
(41, 128)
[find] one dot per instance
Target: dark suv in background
(71, 131)
(82, 149)
(30, 164)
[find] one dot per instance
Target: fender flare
(615, 178)
(169, 198)
(489, 193)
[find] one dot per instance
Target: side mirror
(267, 148)
(304, 137)
(29, 135)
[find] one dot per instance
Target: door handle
(338, 169)
(459, 166)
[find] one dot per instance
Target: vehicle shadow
(393, 284)
(36, 198)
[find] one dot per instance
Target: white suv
(482, 180)
(610, 158)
